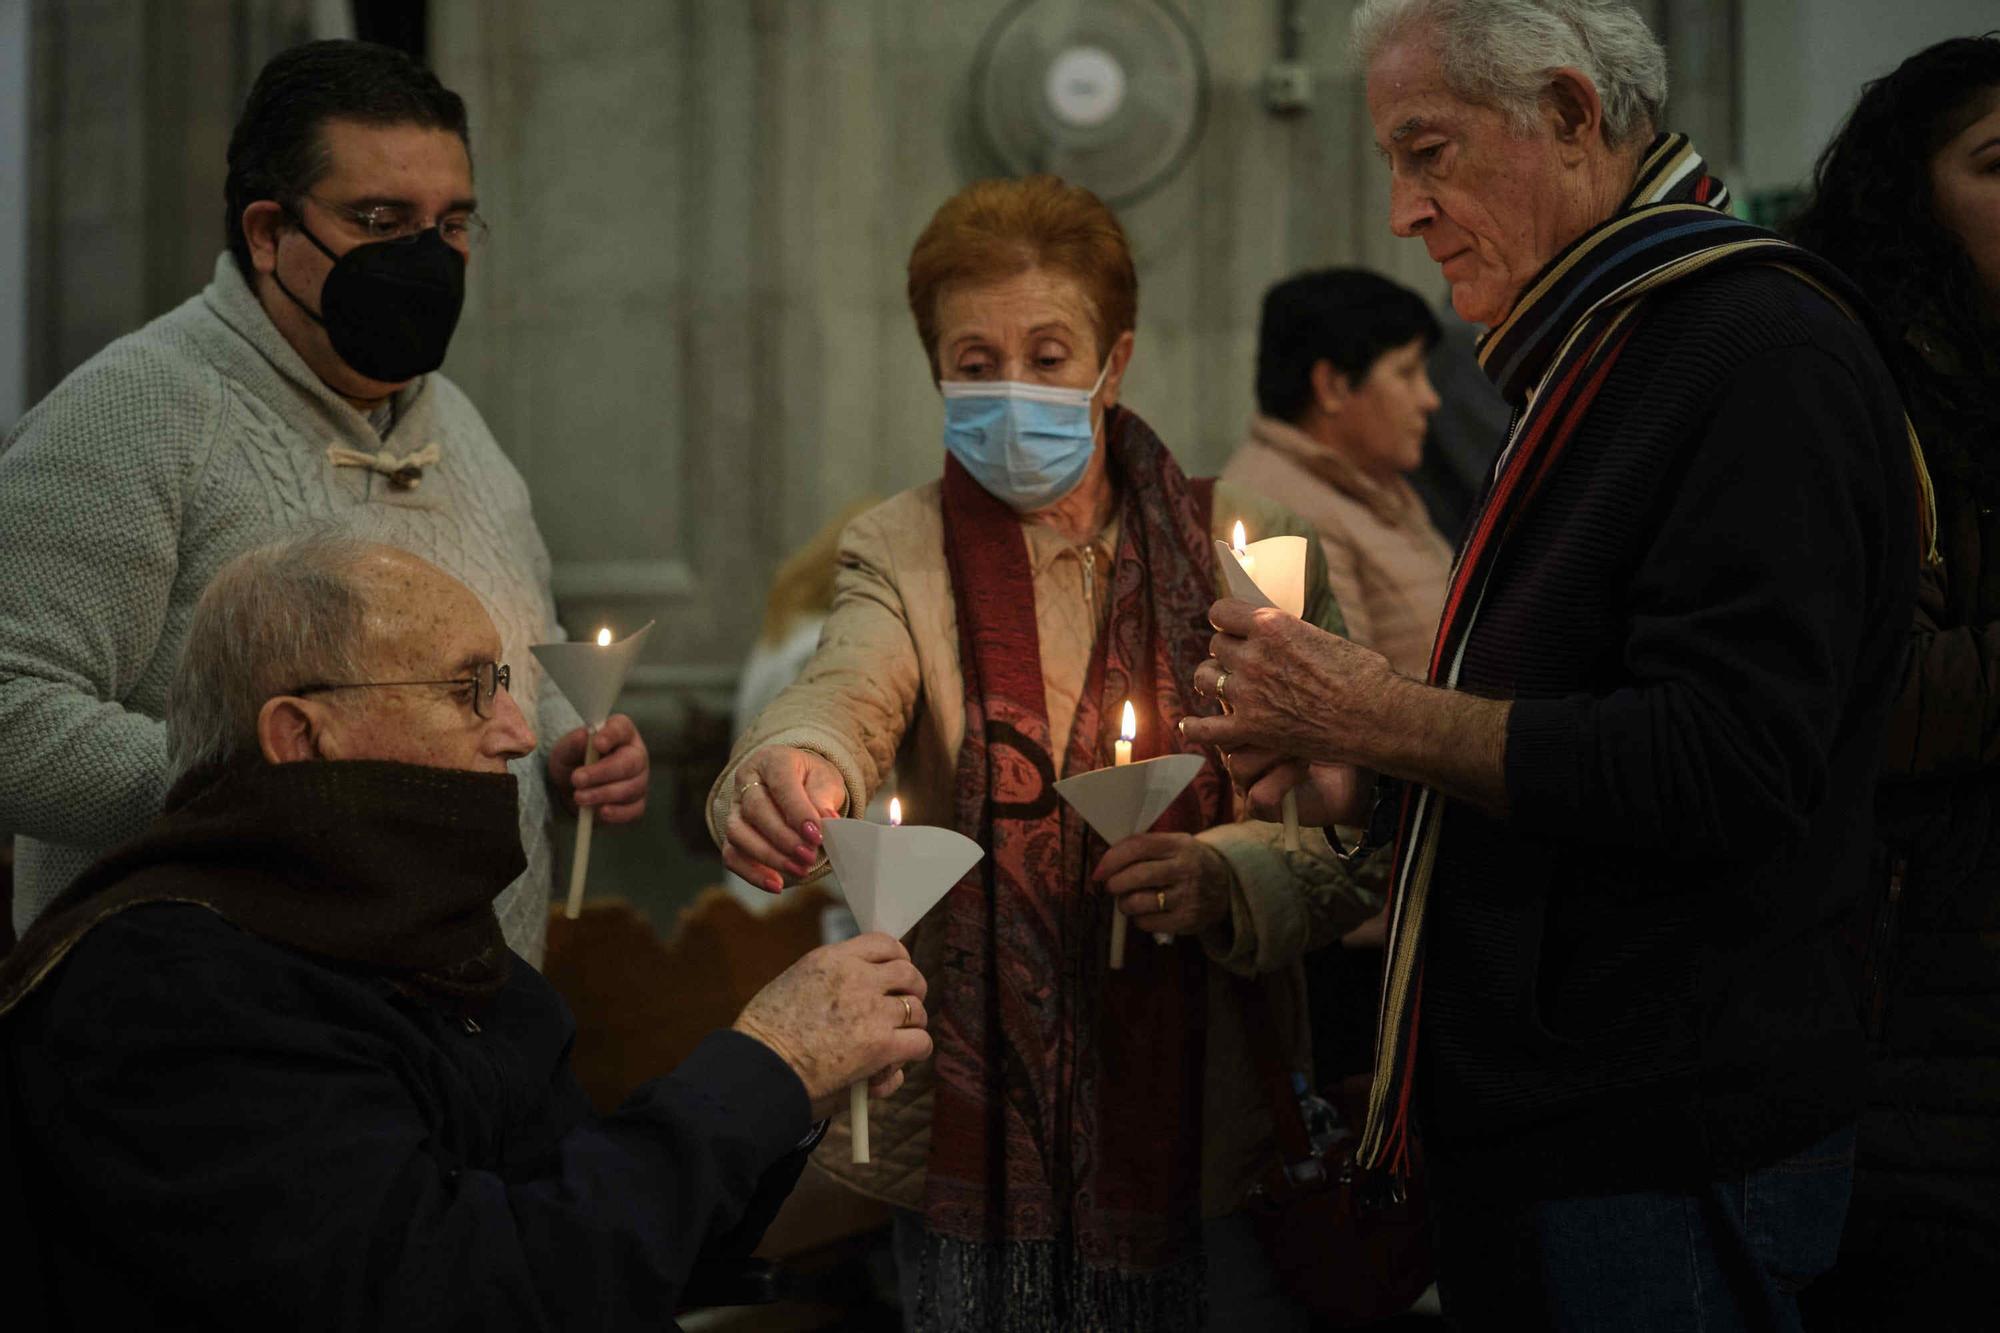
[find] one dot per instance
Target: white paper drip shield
(893, 875)
(589, 675)
(1119, 802)
(1276, 578)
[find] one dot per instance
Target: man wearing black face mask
(299, 386)
(389, 306)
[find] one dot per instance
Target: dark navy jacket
(213, 1131)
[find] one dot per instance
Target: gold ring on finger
(744, 790)
(908, 1013)
(1162, 896)
(1221, 683)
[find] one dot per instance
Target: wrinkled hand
(615, 783)
(1328, 793)
(1189, 875)
(781, 795)
(1293, 689)
(837, 1016)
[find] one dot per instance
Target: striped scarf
(1549, 358)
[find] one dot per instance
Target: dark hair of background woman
(1347, 316)
(1871, 214)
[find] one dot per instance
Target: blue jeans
(1731, 1256)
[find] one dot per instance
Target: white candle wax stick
(585, 818)
(857, 1118)
(1121, 755)
(1290, 809)
(857, 1093)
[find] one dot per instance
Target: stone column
(132, 105)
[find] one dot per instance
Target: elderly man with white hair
(1631, 802)
(271, 1064)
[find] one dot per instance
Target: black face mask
(389, 307)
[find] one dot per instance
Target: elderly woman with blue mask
(1083, 1133)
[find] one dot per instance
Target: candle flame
(1237, 536)
(604, 637)
(1129, 729)
(895, 811)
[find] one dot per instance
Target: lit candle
(1238, 539)
(586, 817)
(1128, 731)
(857, 1093)
(1289, 808)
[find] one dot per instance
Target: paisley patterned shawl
(1064, 1178)
(1549, 358)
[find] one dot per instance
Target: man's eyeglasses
(487, 680)
(392, 222)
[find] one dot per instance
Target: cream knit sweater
(122, 492)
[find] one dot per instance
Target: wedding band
(907, 1012)
(1162, 896)
(745, 788)
(1221, 680)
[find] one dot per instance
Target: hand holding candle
(1270, 573)
(892, 875)
(590, 675)
(1126, 798)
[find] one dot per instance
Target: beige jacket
(883, 701)
(1390, 568)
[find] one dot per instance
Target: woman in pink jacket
(1342, 404)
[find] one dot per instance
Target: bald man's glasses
(487, 680)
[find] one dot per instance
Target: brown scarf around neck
(391, 868)
(1064, 1179)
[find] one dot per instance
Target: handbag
(1352, 1246)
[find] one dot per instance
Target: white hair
(275, 619)
(1499, 53)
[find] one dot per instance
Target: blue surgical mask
(1026, 444)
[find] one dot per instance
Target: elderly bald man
(272, 1065)
(1632, 797)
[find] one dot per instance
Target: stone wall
(689, 328)
(131, 105)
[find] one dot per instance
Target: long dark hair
(1871, 215)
